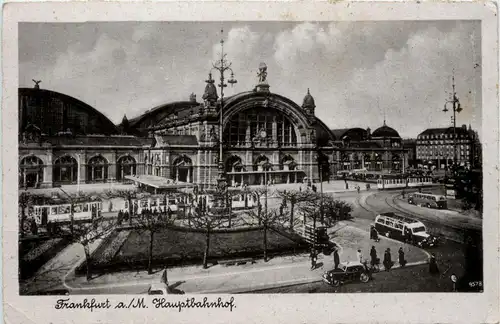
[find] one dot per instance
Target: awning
(268, 172)
(159, 182)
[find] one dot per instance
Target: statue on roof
(192, 97)
(262, 74)
(210, 96)
(37, 83)
(262, 84)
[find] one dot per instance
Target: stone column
(275, 132)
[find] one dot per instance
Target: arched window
(256, 125)
(65, 170)
(126, 166)
(31, 172)
(97, 169)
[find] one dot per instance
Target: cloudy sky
(358, 72)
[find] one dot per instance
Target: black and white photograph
(282, 157)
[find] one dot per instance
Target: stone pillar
(198, 168)
(47, 180)
(275, 132)
(112, 167)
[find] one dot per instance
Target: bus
(427, 200)
(61, 213)
(404, 229)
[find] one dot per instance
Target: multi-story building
(435, 147)
(358, 148)
(265, 135)
(410, 144)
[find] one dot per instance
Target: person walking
(433, 268)
(402, 261)
(359, 256)
(358, 189)
(336, 258)
(314, 258)
(388, 259)
(373, 256)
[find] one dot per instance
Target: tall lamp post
(456, 108)
(222, 66)
(266, 166)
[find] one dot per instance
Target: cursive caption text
(158, 303)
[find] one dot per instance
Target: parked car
(350, 271)
(158, 289)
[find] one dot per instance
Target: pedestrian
(314, 257)
(359, 256)
(433, 268)
(336, 258)
(403, 193)
(358, 189)
(388, 259)
(373, 255)
(402, 261)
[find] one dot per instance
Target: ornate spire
(210, 95)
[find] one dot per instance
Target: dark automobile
(350, 271)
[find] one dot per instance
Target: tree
(293, 196)
(309, 204)
(152, 222)
(335, 210)
(87, 233)
(468, 187)
(260, 192)
(230, 195)
(269, 219)
(208, 223)
(25, 202)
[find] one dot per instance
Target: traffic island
(278, 272)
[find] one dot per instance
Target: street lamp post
(265, 166)
(222, 66)
(456, 108)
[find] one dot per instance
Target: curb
(288, 283)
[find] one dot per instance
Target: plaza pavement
(279, 271)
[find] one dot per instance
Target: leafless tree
(293, 197)
(268, 219)
(87, 233)
(151, 222)
(309, 203)
(208, 223)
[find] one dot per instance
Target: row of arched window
(65, 169)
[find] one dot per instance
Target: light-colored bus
(404, 229)
(427, 200)
(61, 213)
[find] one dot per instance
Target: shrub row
(39, 255)
(110, 250)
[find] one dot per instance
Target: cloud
(355, 70)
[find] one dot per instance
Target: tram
(61, 213)
(399, 182)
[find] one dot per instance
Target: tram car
(399, 182)
(61, 213)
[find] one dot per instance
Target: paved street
(290, 272)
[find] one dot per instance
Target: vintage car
(350, 271)
(158, 289)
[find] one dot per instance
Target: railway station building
(63, 140)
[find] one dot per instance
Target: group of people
(388, 263)
(146, 211)
(314, 258)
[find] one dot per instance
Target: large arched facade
(274, 139)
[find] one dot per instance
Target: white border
(314, 308)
